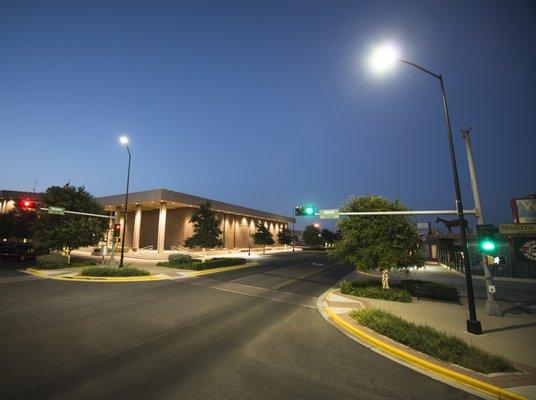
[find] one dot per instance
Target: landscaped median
(178, 266)
(444, 355)
(182, 261)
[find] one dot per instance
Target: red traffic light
(117, 229)
(27, 204)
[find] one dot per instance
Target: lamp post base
(474, 327)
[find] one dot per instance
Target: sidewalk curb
(420, 363)
(149, 278)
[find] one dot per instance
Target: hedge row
(113, 271)
(198, 265)
(373, 290)
(430, 341)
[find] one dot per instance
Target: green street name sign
(56, 210)
(332, 213)
(519, 229)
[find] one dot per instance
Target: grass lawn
(113, 271)
(430, 341)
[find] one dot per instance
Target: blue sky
(268, 104)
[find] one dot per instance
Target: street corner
(335, 307)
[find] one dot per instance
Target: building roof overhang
(151, 200)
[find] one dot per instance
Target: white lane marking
(267, 272)
(292, 280)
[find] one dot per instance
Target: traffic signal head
(27, 204)
(486, 239)
(487, 245)
(117, 229)
(308, 210)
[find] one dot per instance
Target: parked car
(16, 251)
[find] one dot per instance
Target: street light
(124, 141)
(384, 58)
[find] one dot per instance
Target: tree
(312, 236)
(207, 230)
(378, 242)
(6, 222)
(284, 236)
(262, 236)
(22, 223)
(328, 236)
(67, 232)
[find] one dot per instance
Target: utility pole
(492, 307)
(293, 231)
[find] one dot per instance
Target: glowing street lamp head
(384, 57)
(123, 140)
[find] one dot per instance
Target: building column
(161, 240)
(234, 231)
(223, 231)
(137, 227)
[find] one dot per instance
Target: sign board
(56, 210)
(332, 213)
(513, 229)
(525, 249)
(423, 228)
(524, 210)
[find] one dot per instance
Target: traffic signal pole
(492, 307)
(293, 232)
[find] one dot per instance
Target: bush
(51, 261)
(113, 271)
(373, 290)
(198, 265)
(177, 259)
(430, 341)
(430, 290)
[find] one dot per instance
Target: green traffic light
(488, 246)
(309, 210)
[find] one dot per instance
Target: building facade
(10, 199)
(160, 219)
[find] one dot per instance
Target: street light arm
(128, 151)
(419, 67)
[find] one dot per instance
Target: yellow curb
(222, 269)
(424, 364)
(79, 278)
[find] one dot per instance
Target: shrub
(113, 271)
(430, 341)
(373, 290)
(51, 261)
(198, 265)
(216, 263)
(178, 259)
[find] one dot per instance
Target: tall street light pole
(124, 141)
(383, 59)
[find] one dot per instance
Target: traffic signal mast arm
(81, 213)
(425, 212)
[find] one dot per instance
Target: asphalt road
(245, 334)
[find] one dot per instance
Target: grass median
(198, 265)
(431, 341)
(113, 272)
